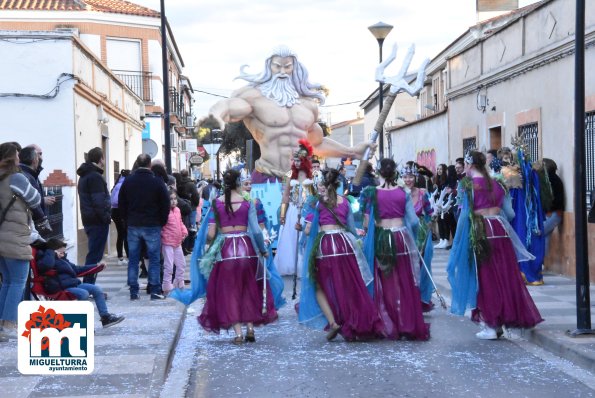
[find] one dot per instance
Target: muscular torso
(277, 129)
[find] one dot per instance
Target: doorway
(495, 137)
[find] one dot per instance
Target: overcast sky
(330, 37)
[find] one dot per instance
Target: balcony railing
(176, 105)
(137, 81)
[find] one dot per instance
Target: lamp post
(380, 30)
(166, 126)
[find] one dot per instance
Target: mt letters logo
(56, 337)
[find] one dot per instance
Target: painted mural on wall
(427, 158)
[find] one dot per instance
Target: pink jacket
(174, 232)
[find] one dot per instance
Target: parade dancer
(482, 268)
(230, 267)
(391, 249)
(297, 189)
(529, 214)
(423, 233)
(336, 273)
(274, 279)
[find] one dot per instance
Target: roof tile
(107, 6)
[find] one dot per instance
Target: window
(590, 152)
(469, 144)
(116, 171)
(529, 135)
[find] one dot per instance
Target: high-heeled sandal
(238, 340)
(250, 336)
(333, 332)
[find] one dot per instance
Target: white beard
(280, 90)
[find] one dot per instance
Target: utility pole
(165, 79)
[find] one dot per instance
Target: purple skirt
(233, 293)
(398, 300)
(339, 277)
(503, 298)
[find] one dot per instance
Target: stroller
(39, 289)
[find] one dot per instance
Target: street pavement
(131, 358)
(159, 351)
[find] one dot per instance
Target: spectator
(440, 182)
(187, 190)
(158, 169)
(460, 168)
(95, 207)
(144, 206)
(47, 200)
(52, 256)
(121, 240)
(172, 236)
(315, 165)
(491, 154)
(17, 197)
(343, 185)
(555, 212)
(29, 162)
(367, 179)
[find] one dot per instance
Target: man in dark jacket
(187, 190)
(144, 206)
(95, 207)
(29, 164)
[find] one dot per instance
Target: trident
(397, 83)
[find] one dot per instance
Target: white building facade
(87, 107)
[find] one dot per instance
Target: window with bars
(469, 144)
(590, 152)
(529, 135)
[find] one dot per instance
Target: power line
(322, 106)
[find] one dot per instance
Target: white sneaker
(122, 261)
(487, 334)
(441, 244)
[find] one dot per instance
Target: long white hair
(299, 78)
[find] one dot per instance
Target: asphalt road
(289, 360)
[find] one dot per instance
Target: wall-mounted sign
(196, 159)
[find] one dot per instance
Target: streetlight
(380, 30)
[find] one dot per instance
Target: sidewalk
(556, 301)
(131, 358)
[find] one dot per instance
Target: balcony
(177, 107)
(139, 82)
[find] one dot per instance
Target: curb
(553, 342)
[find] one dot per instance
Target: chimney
(487, 9)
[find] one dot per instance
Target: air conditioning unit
(173, 140)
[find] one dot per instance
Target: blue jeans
(83, 291)
(152, 238)
(14, 277)
(97, 237)
(193, 219)
(551, 222)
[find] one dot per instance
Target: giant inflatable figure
(280, 107)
